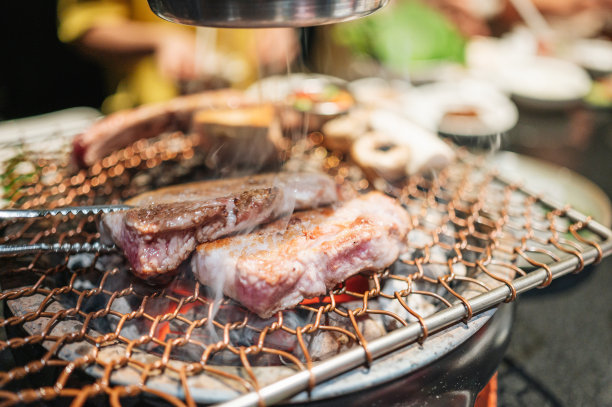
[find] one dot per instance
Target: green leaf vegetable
(404, 36)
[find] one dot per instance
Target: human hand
(565, 7)
(276, 48)
(175, 54)
(463, 15)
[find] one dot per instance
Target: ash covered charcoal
(230, 313)
(201, 337)
(327, 343)
(166, 225)
(279, 339)
(90, 271)
(436, 267)
(421, 304)
(80, 261)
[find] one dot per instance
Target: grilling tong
(95, 247)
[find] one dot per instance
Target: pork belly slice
(276, 266)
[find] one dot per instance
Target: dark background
(560, 351)
(38, 73)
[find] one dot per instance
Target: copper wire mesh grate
(471, 232)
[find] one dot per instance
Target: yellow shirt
(139, 81)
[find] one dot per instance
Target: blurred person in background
(567, 18)
(575, 18)
(409, 36)
(404, 37)
(148, 59)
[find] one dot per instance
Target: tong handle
(75, 210)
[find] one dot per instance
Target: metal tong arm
(70, 248)
(75, 210)
(87, 247)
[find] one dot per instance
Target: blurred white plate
(512, 64)
(467, 107)
(595, 55)
(544, 82)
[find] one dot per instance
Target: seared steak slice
(278, 265)
(120, 129)
(165, 225)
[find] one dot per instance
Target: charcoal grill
(477, 240)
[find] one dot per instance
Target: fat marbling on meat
(276, 266)
(165, 225)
